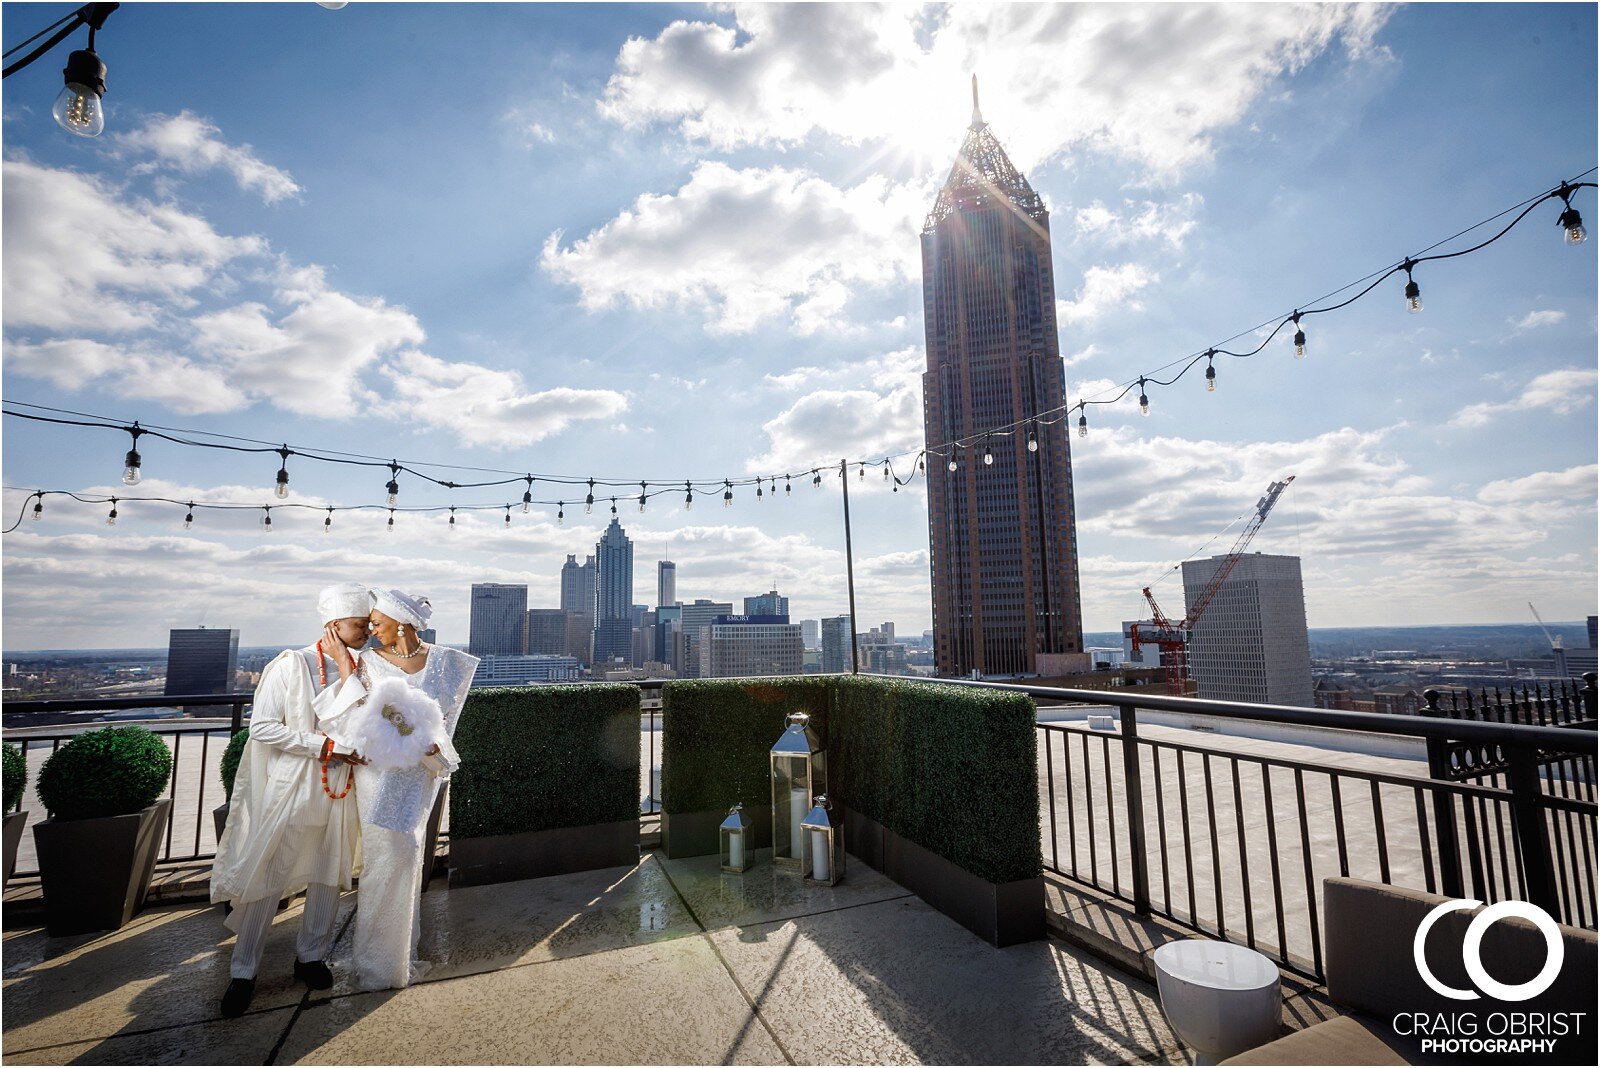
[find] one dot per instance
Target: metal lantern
(736, 841)
(799, 773)
(824, 850)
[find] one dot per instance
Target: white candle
(821, 862)
(797, 812)
(735, 850)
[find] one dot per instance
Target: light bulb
(1413, 297)
(390, 528)
(688, 501)
(1083, 426)
(861, 469)
(188, 521)
(111, 519)
(1572, 223)
(282, 488)
(1144, 404)
(527, 503)
(788, 487)
(38, 510)
(988, 457)
(1033, 442)
(508, 517)
(452, 523)
(77, 108)
(327, 525)
(588, 505)
(130, 468)
(266, 523)
(1299, 344)
(641, 502)
(886, 472)
(1211, 379)
(394, 492)
(952, 465)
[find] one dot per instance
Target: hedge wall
(538, 758)
(951, 768)
(716, 734)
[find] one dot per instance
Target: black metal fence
(1234, 838)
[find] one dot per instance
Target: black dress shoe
(237, 997)
(314, 974)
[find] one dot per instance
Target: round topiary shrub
(15, 776)
(230, 760)
(107, 772)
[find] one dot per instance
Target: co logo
(1472, 946)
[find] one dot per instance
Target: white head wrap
(406, 607)
(344, 601)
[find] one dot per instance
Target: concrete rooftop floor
(666, 962)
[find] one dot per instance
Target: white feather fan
(395, 725)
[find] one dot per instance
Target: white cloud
(869, 408)
(747, 246)
(1105, 289)
(1562, 392)
(192, 145)
(1578, 483)
(143, 259)
(491, 408)
(1149, 83)
(1539, 317)
(175, 381)
(1171, 222)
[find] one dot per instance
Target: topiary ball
(108, 772)
(230, 760)
(15, 775)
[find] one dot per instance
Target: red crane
(1173, 638)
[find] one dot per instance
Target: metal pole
(1133, 796)
(1444, 804)
(849, 566)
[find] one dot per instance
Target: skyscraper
(666, 583)
(1003, 550)
(836, 644)
(547, 632)
(577, 603)
(499, 622)
(201, 661)
(613, 596)
(767, 604)
(1251, 642)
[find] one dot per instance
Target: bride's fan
(396, 725)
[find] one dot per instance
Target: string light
(988, 457)
(452, 524)
(327, 524)
(1299, 336)
(188, 519)
(527, 496)
(390, 528)
(727, 496)
(758, 489)
(561, 513)
(1144, 400)
(38, 508)
(508, 516)
(131, 462)
(1570, 221)
(1413, 291)
(282, 490)
(1083, 423)
(1211, 372)
(111, 518)
(816, 478)
(1033, 442)
(788, 487)
(688, 497)
(886, 470)
(588, 503)
(266, 521)
(613, 507)
(861, 470)
(642, 496)
(394, 483)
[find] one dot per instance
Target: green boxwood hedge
(540, 757)
(14, 775)
(230, 760)
(113, 771)
(716, 734)
(951, 768)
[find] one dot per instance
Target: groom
(292, 821)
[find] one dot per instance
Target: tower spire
(977, 116)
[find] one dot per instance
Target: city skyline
(721, 279)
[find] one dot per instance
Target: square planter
(13, 838)
(500, 858)
(694, 834)
(96, 873)
(219, 817)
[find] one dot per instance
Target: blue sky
(658, 242)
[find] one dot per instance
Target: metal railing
(1234, 839)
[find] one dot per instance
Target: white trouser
(316, 929)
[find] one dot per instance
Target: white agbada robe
(284, 832)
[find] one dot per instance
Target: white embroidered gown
(395, 805)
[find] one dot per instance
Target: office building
(702, 612)
(669, 620)
(613, 596)
(811, 633)
(1251, 642)
(499, 621)
(577, 603)
(428, 636)
(745, 646)
(524, 670)
(201, 661)
(836, 644)
(1003, 552)
(666, 582)
(883, 658)
(547, 632)
(767, 604)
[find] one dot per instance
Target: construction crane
(1557, 651)
(1173, 637)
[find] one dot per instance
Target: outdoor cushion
(1345, 1040)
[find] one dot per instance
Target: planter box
(219, 816)
(96, 873)
(501, 858)
(694, 834)
(1002, 914)
(13, 838)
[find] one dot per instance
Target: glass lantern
(736, 841)
(799, 773)
(824, 849)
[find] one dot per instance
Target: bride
(395, 796)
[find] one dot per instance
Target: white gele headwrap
(344, 601)
(406, 607)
